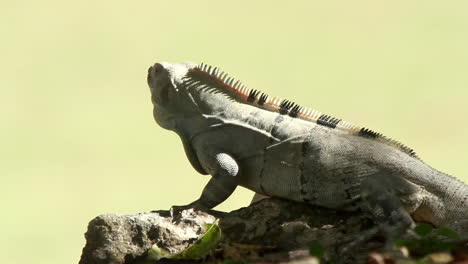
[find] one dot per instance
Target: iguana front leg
(224, 170)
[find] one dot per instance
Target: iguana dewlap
(277, 148)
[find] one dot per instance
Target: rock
(274, 225)
(118, 239)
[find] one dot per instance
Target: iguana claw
(177, 209)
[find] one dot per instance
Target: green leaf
(202, 247)
(423, 229)
(205, 244)
(402, 242)
(230, 261)
(155, 253)
(447, 232)
(316, 250)
(411, 244)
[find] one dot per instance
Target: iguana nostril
(153, 71)
(157, 68)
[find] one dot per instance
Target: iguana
(277, 148)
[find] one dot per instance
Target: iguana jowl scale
(276, 148)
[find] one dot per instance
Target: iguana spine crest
(253, 97)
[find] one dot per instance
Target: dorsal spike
(276, 101)
(294, 110)
(307, 111)
(236, 84)
(221, 76)
(242, 89)
(263, 98)
(285, 106)
(253, 95)
(276, 104)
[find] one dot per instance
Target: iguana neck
(193, 125)
(215, 108)
(211, 100)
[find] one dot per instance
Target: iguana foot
(357, 240)
(177, 209)
(388, 248)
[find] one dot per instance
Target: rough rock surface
(125, 238)
(285, 226)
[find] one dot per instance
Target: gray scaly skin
(276, 148)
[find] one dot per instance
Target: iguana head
(169, 93)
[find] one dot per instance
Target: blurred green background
(77, 134)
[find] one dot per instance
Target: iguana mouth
(149, 78)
